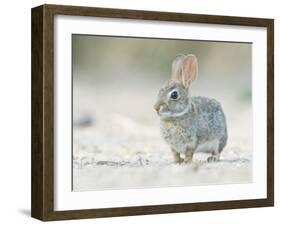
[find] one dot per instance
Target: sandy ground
(117, 148)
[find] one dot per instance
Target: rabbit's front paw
(177, 157)
(188, 155)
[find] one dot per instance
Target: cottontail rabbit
(189, 123)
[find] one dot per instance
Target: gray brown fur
(190, 124)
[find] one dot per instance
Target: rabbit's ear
(189, 69)
(177, 68)
(185, 69)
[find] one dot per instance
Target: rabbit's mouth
(165, 113)
(162, 111)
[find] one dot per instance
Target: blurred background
(115, 129)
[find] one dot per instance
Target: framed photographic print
(141, 112)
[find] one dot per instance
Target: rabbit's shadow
(146, 162)
(239, 160)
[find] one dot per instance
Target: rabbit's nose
(157, 107)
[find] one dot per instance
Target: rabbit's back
(211, 122)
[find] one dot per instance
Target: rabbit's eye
(174, 95)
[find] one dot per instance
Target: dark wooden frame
(42, 197)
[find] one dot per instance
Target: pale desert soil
(120, 148)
